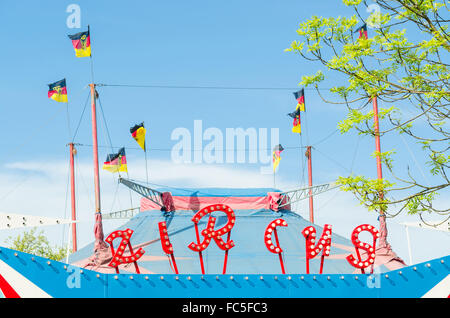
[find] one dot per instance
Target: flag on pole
(296, 125)
(58, 91)
(116, 162)
(81, 43)
(362, 31)
(276, 156)
(300, 97)
(138, 133)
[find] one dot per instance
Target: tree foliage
(403, 64)
(36, 244)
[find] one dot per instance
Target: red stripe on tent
(7, 290)
(187, 203)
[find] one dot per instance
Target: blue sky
(197, 43)
(181, 43)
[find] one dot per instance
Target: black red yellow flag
(300, 97)
(116, 162)
(276, 156)
(296, 125)
(58, 91)
(362, 31)
(81, 43)
(138, 133)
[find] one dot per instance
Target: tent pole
(72, 190)
(98, 228)
(409, 245)
(382, 217)
(311, 206)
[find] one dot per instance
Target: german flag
(296, 125)
(138, 133)
(116, 162)
(300, 97)
(58, 91)
(81, 43)
(362, 31)
(276, 156)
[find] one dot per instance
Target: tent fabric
(274, 201)
(196, 199)
(218, 192)
(168, 201)
(384, 249)
(195, 203)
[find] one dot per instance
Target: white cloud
(198, 175)
(36, 188)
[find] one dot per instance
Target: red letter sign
(166, 245)
(165, 241)
(209, 233)
(272, 229)
(370, 249)
(118, 257)
(312, 249)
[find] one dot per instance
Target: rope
(170, 149)
(326, 138)
(205, 87)
(36, 132)
(90, 57)
(107, 137)
(351, 169)
(32, 135)
(81, 117)
(307, 130)
(106, 125)
(114, 197)
(80, 176)
(146, 164)
(65, 205)
(414, 158)
(92, 66)
(331, 159)
(68, 120)
(354, 154)
(15, 187)
(110, 144)
(145, 157)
